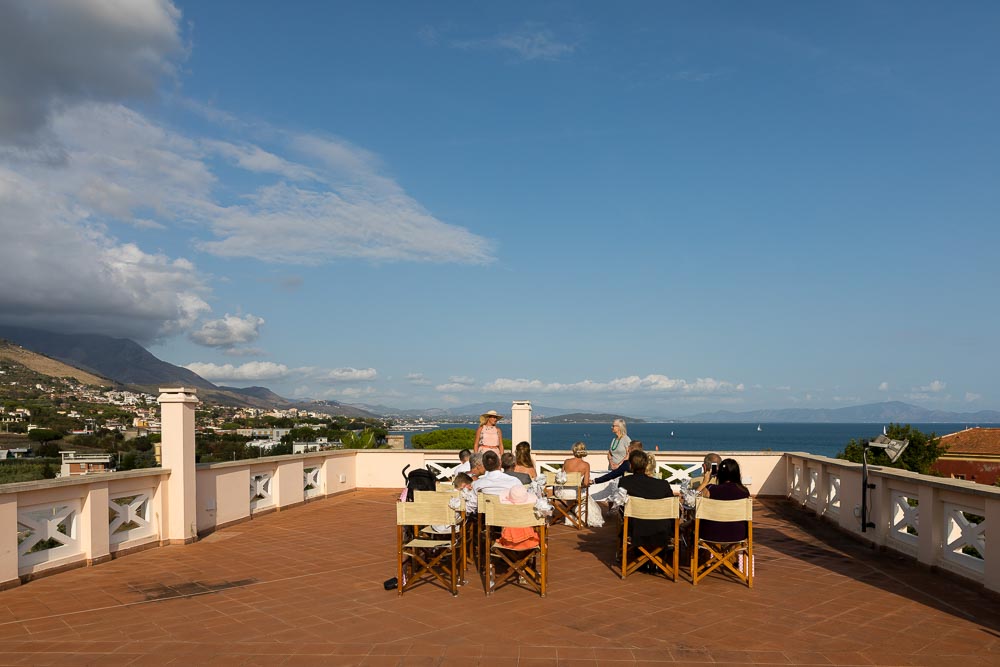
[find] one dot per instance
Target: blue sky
(657, 209)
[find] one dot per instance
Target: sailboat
(671, 434)
(759, 429)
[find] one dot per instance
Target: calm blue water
(822, 439)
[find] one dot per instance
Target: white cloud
(935, 387)
(417, 379)
(56, 53)
(632, 384)
(349, 392)
(62, 272)
(75, 161)
(971, 397)
(783, 387)
(228, 331)
(462, 379)
(883, 386)
(351, 374)
(451, 387)
(529, 42)
(248, 372)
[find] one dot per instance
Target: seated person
(648, 533)
(578, 462)
(709, 472)
(464, 466)
(509, 466)
(476, 468)
(463, 484)
(633, 446)
(523, 462)
(494, 481)
(518, 538)
(729, 487)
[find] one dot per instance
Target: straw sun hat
(492, 413)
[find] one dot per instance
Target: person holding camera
(710, 472)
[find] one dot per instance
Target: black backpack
(419, 479)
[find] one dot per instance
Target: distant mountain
(48, 366)
(335, 408)
(877, 413)
(588, 418)
(465, 411)
(119, 359)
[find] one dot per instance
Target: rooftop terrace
(305, 587)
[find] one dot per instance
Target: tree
(919, 456)
(359, 440)
(43, 435)
(448, 438)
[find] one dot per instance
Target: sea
(821, 439)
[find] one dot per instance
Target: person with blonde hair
(651, 470)
(619, 448)
(488, 436)
(578, 463)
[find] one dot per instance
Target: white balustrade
(832, 493)
(130, 517)
(965, 537)
(261, 487)
(46, 533)
(312, 481)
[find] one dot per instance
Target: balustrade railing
(940, 522)
(52, 524)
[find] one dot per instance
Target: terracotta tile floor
(305, 587)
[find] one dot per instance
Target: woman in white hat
(488, 435)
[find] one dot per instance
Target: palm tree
(359, 439)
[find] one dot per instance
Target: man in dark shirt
(649, 533)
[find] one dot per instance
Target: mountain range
(875, 413)
(123, 362)
(126, 363)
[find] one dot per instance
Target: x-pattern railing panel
(442, 469)
(905, 517)
(260, 490)
(128, 518)
(311, 483)
(678, 471)
(965, 543)
(833, 492)
(812, 488)
(48, 532)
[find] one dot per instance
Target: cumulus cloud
(62, 272)
(934, 387)
(451, 386)
(251, 371)
(531, 41)
(75, 161)
(883, 386)
(351, 374)
(462, 379)
(971, 397)
(228, 331)
(417, 379)
(59, 52)
(631, 384)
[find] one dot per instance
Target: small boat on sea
(759, 429)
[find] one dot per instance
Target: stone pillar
(94, 534)
(177, 406)
(520, 422)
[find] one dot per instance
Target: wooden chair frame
(444, 498)
(484, 501)
(530, 564)
(427, 557)
(644, 508)
(723, 554)
(579, 514)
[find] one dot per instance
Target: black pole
(865, 486)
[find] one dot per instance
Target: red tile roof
(973, 442)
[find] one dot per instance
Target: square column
(520, 422)
(177, 406)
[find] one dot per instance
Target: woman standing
(488, 436)
(619, 446)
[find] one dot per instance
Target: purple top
(724, 531)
